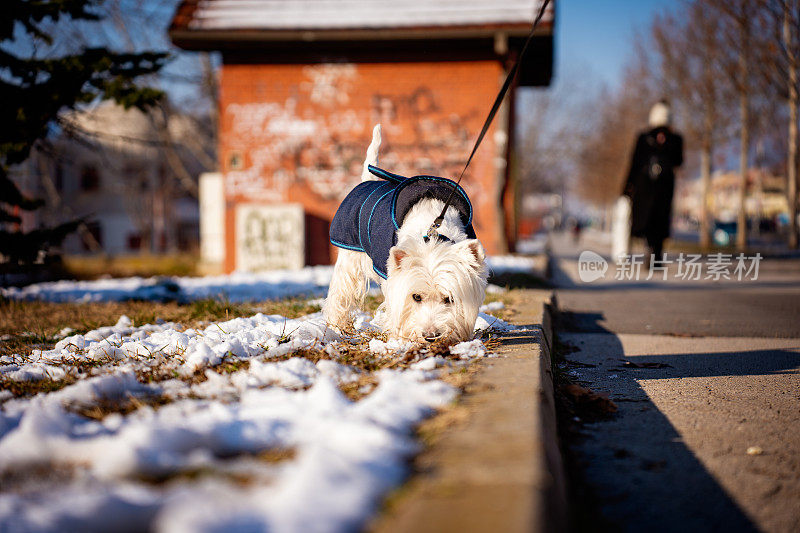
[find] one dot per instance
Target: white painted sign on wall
(269, 237)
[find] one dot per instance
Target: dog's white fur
(448, 279)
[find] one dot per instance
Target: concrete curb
(498, 466)
(552, 493)
(555, 495)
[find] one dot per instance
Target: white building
(131, 176)
(765, 196)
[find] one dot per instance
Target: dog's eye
(447, 300)
(417, 297)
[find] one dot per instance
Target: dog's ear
(473, 251)
(396, 257)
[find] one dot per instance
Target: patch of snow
(72, 472)
(236, 287)
(492, 306)
(430, 363)
(537, 244)
(469, 349)
(502, 264)
(495, 289)
(392, 347)
(64, 333)
(32, 372)
(488, 322)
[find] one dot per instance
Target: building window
(136, 175)
(90, 179)
(188, 236)
(134, 241)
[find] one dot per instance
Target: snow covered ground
(159, 427)
(236, 287)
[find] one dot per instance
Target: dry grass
(276, 455)
(360, 388)
(102, 407)
(35, 325)
(145, 265)
(25, 326)
(461, 378)
(28, 325)
(240, 479)
(163, 372)
(503, 314)
(236, 477)
(32, 388)
(26, 477)
(290, 308)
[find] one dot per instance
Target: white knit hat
(660, 114)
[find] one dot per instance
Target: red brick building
(303, 83)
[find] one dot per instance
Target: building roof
(353, 19)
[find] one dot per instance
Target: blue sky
(598, 33)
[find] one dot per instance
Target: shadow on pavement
(519, 280)
(748, 363)
(513, 338)
(632, 471)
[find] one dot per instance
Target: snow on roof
(353, 14)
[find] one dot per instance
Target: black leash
(432, 232)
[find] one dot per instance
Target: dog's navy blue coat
(369, 217)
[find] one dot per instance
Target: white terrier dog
(432, 288)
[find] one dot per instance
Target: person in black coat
(651, 179)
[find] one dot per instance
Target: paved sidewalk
(498, 468)
(676, 453)
(724, 379)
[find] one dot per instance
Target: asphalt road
(708, 438)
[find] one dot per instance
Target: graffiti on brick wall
(439, 140)
(328, 84)
(315, 137)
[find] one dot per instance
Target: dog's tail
(372, 154)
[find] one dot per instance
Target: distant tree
(546, 156)
(34, 89)
(690, 48)
(779, 63)
(739, 21)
